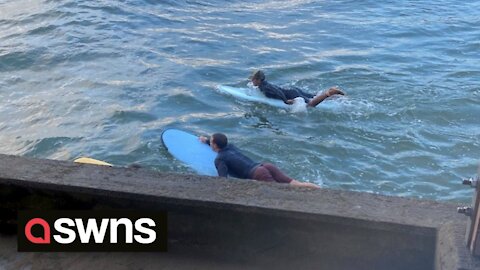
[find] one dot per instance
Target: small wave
(49, 147)
(132, 116)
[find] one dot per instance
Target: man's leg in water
(262, 174)
(280, 177)
(319, 98)
(268, 172)
(303, 184)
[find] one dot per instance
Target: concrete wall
(226, 223)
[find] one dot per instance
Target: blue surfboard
(188, 149)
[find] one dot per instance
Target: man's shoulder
(232, 147)
(229, 149)
(226, 149)
(267, 85)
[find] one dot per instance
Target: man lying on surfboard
(287, 95)
(230, 161)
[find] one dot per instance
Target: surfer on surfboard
(287, 95)
(230, 161)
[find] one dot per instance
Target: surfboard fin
(87, 160)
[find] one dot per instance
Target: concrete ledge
(252, 224)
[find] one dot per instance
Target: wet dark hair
(258, 74)
(220, 140)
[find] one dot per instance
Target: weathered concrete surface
(219, 193)
(252, 224)
(451, 251)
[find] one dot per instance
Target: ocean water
(104, 78)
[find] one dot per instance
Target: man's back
(273, 91)
(230, 161)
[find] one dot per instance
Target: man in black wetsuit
(230, 161)
(287, 95)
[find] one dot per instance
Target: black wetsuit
(273, 91)
(230, 161)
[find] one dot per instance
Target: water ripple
(104, 78)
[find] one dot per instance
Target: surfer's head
(257, 77)
(218, 141)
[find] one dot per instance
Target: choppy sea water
(104, 78)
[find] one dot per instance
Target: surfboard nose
(185, 147)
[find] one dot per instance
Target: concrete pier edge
(437, 223)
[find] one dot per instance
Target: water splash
(298, 106)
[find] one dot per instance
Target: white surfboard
(254, 95)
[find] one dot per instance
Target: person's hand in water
(203, 139)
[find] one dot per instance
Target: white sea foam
(298, 106)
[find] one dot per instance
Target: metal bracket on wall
(472, 236)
